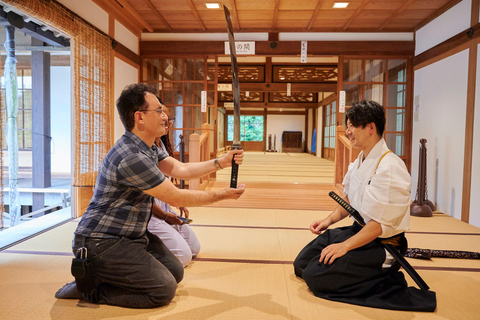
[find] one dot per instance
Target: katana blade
(236, 96)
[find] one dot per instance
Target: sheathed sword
(390, 248)
(236, 97)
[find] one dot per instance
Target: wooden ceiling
(278, 15)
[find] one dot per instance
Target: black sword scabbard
(406, 266)
(391, 249)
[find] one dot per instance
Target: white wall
(125, 75)
(277, 123)
(442, 90)
(452, 22)
(88, 11)
(475, 191)
(125, 37)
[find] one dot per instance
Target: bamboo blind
(92, 53)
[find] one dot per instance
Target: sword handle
(354, 213)
(234, 176)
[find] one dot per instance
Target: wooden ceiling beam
(264, 16)
(281, 48)
(158, 14)
(359, 9)
(235, 14)
(196, 15)
(275, 14)
(396, 13)
(295, 87)
(273, 105)
(124, 13)
(315, 13)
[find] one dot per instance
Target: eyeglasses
(159, 111)
(171, 120)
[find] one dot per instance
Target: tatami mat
(282, 167)
(244, 270)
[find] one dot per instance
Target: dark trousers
(358, 277)
(134, 273)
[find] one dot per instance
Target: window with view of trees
(251, 128)
(24, 114)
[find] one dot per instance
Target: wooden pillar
(470, 116)
(194, 156)
(41, 159)
(268, 80)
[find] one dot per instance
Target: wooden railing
(64, 195)
(344, 155)
(199, 150)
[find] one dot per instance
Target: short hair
(365, 112)
(131, 100)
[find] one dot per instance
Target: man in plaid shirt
(131, 266)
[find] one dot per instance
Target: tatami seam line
(252, 261)
(303, 229)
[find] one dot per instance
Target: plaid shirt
(119, 207)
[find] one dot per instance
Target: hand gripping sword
(390, 248)
(236, 98)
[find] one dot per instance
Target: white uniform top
(382, 195)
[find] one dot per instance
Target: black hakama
(358, 277)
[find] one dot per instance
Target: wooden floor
(244, 270)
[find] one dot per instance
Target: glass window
(395, 119)
(189, 94)
(199, 69)
(24, 113)
(251, 128)
(395, 142)
(374, 92)
(397, 70)
(190, 69)
(374, 70)
(173, 69)
(352, 71)
(173, 93)
(396, 95)
(353, 93)
(192, 117)
(389, 89)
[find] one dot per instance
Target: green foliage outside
(251, 128)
